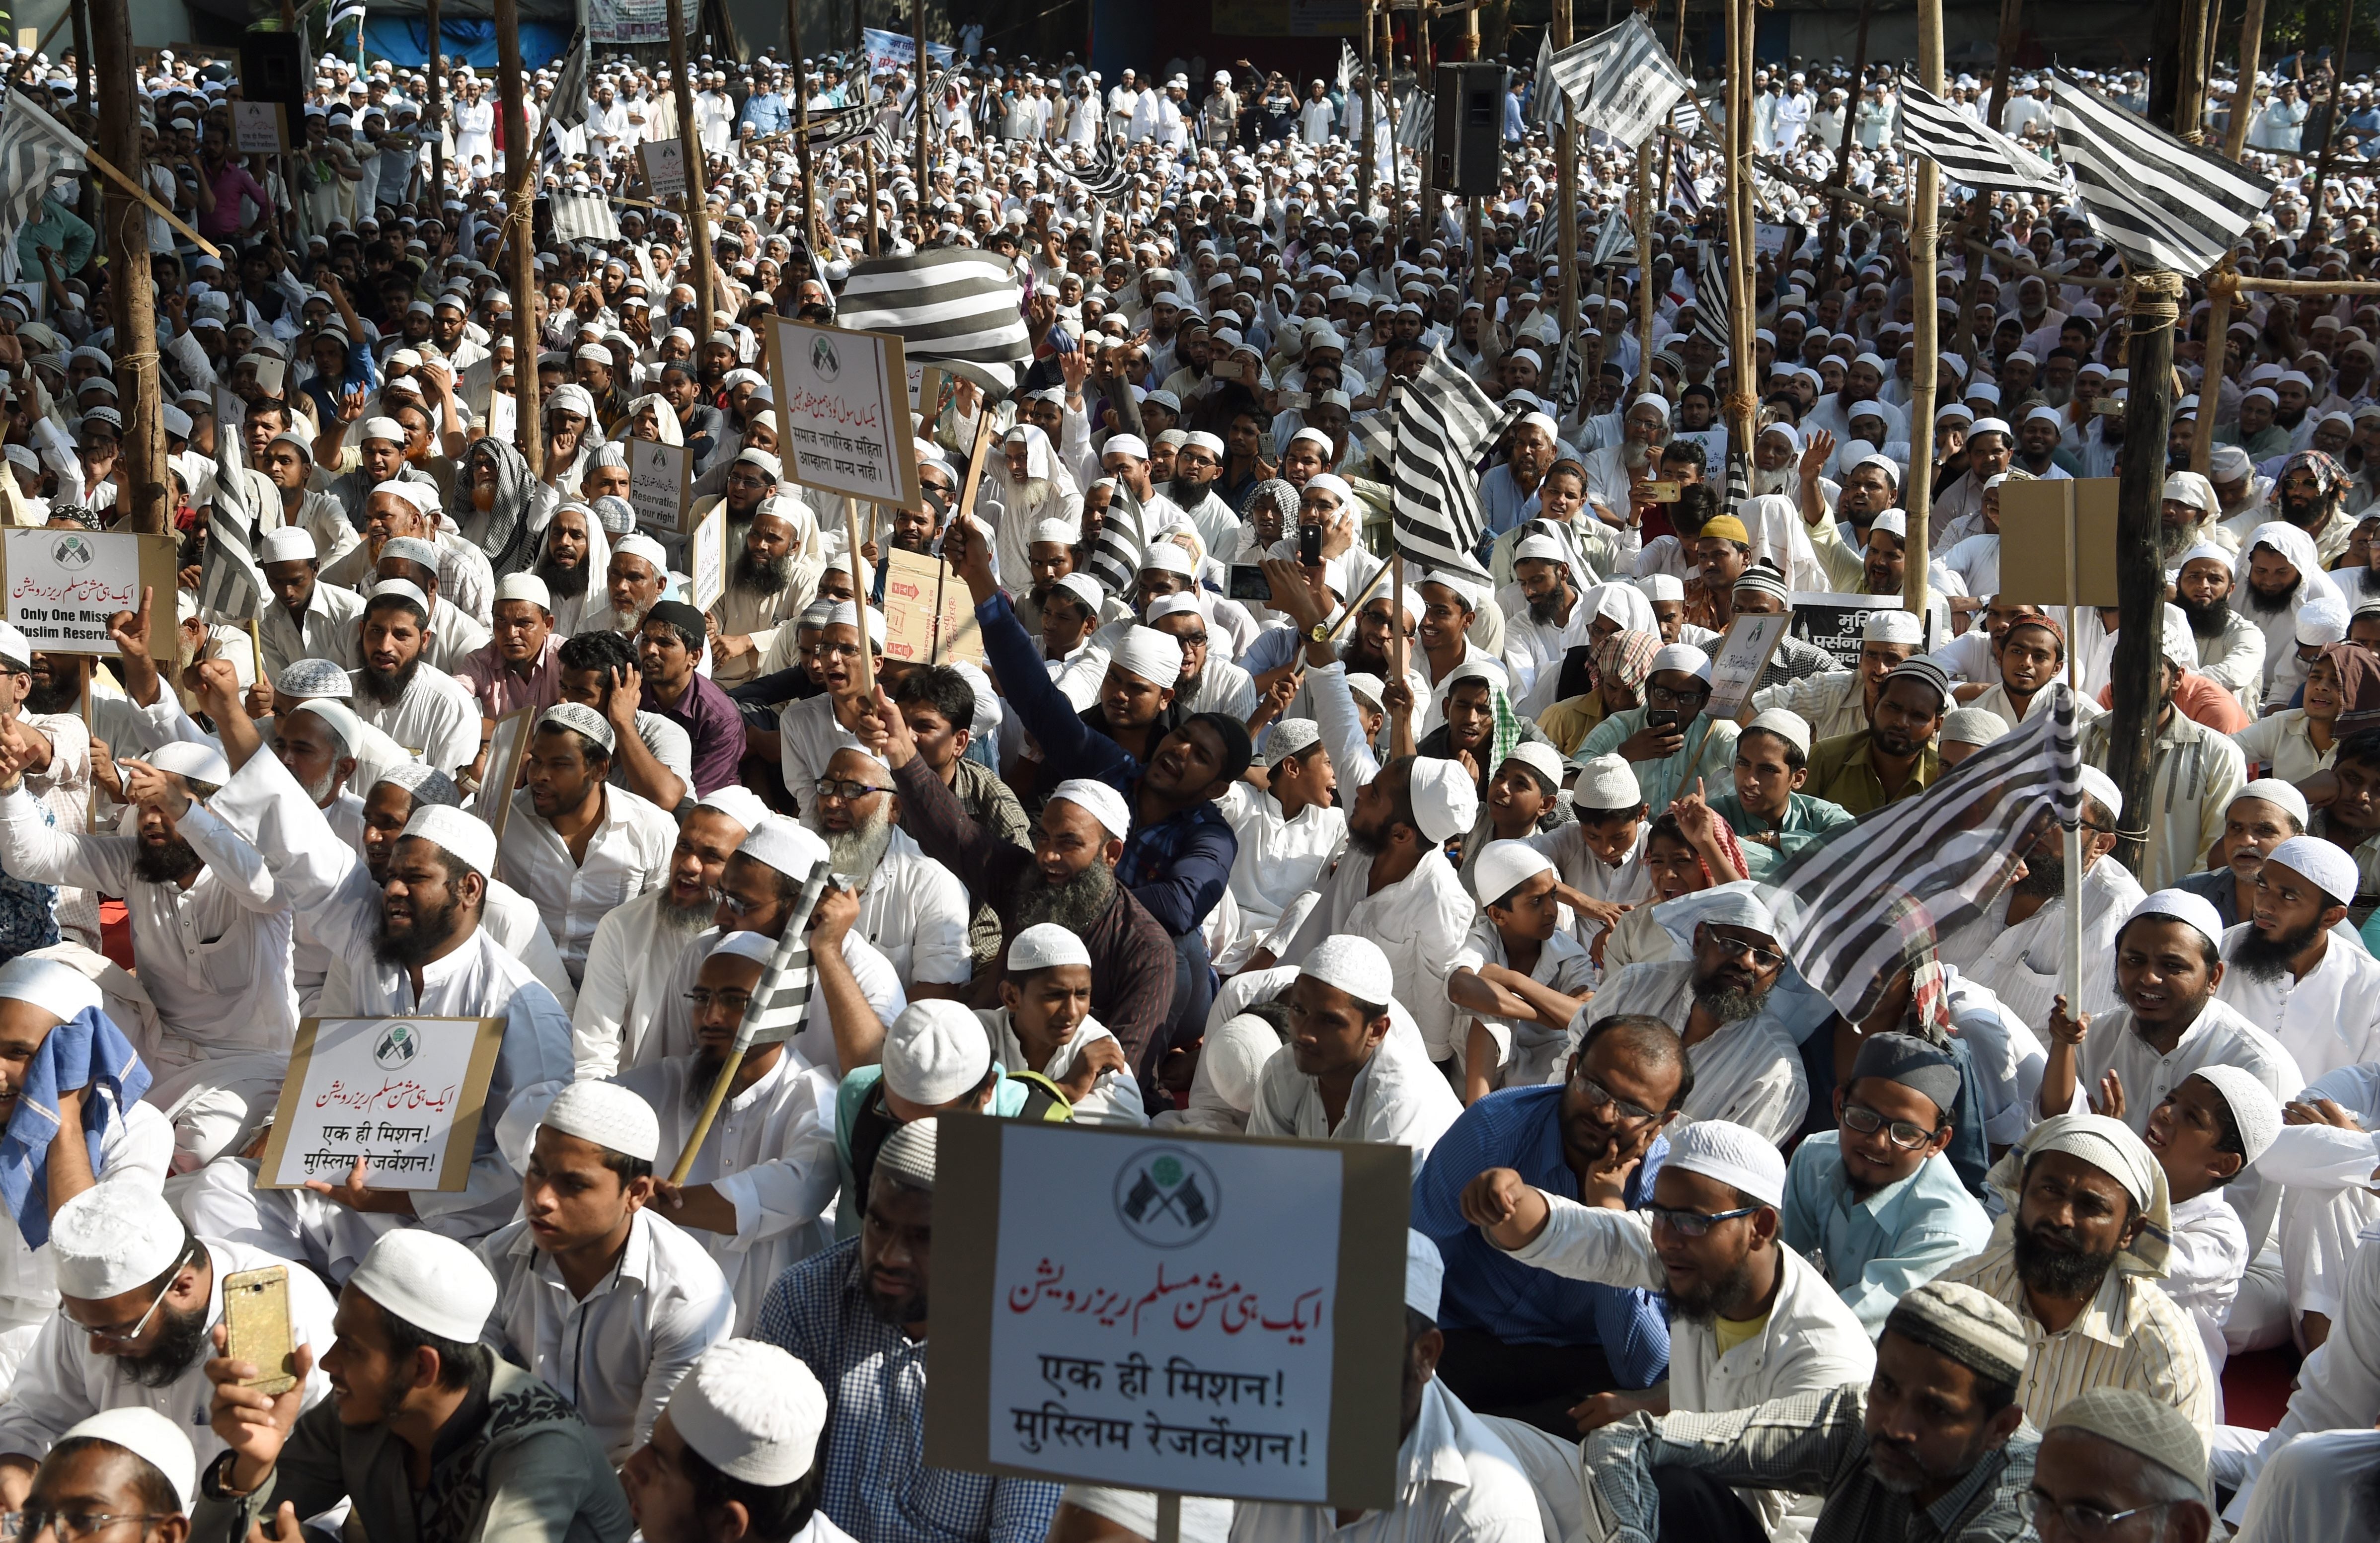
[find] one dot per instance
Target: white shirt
(327, 629)
(2327, 1018)
(61, 1382)
(1399, 1099)
(436, 717)
(1456, 1483)
(914, 913)
(1527, 1052)
(1749, 1072)
(1114, 1099)
(770, 1153)
(2024, 965)
(1279, 861)
(616, 1352)
(627, 853)
(507, 916)
(670, 1032)
(2202, 1274)
(1534, 651)
(1418, 921)
(214, 957)
(1834, 702)
(1810, 1342)
(628, 968)
(135, 1153)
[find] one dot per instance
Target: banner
(890, 51)
(1834, 622)
(843, 412)
(402, 1095)
(929, 614)
(64, 586)
(638, 21)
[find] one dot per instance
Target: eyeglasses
(838, 788)
(1597, 1096)
(1695, 1223)
(125, 1336)
(1736, 947)
(1664, 697)
(2082, 1518)
(702, 999)
(69, 1526)
(1902, 1134)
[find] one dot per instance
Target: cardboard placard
(706, 557)
(661, 485)
(664, 165)
(403, 1093)
(2033, 518)
(1738, 660)
(503, 415)
(63, 585)
(843, 412)
(508, 747)
(260, 128)
(1228, 1325)
(1834, 622)
(929, 612)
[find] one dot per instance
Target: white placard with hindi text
(259, 128)
(706, 557)
(843, 412)
(405, 1094)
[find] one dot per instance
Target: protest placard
(403, 1093)
(63, 585)
(843, 412)
(664, 163)
(706, 557)
(2035, 518)
(260, 128)
(503, 415)
(661, 485)
(1738, 659)
(508, 747)
(929, 615)
(1156, 1310)
(1833, 622)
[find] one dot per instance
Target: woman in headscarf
(2342, 687)
(506, 509)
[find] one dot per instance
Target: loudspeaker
(1469, 113)
(273, 68)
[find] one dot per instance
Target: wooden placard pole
(802, 118)
(1925, 210)
(520, 192)
(697, 207)
(2210, 381)
(148, 480)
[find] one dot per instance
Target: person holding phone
(1667, 742)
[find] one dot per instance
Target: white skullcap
(1733, 1154)
(1445, 800)
(381, 428)
(1334, 485)
(2193, 489)
(760, 947)
(751, 1410)
(432, 1281)
(1891, 626)
(640, 545)
(417, 494)
(2206, 551)
(2254, 1108)
(15, 646)
(1892, 521)
(525, 586)
(412, 549)
(2100, 786)
(1125, 444)
(2328, 866)
(1658, 403)
(1167, 557)
(339, 715)
(1788, 726)
(114, 1240)
(2321, 621)
(608, 1114)
(1683, 657)
(313, 678)
(788, 846)
(1540, 758)
(193, 760)
(909, 1152)
(1504, 866)
(1064, 533)
(1354, 965)
(1539, 547)
(1097, 799)
(49, 985)
(1084, 589)
(464, 836)
(1154, 656)
(151, 1437)
(736, 801)
(1606, 782)
(1662, 587)
(935, 1052)
(581, 718)
(288, 544)
(2181, 906)
(1290, 737)
(1424, 1274)
(1046, 947)
(1371, 688)
(404, 590)
(2271, 789)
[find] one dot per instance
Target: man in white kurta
(1749, 1071)
(577, 878)
(432, 715)
(1287, 836)
(2321, 998)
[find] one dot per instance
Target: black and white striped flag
(2162, 203)
(1968, 153)
(1710, 296)
(34, 147)
(583, 216)
(231, 587)
(1615, 243)
(1116, 556)
(1349, 66)
(1859, 899)
(956, 308)
(1417, 122)
(1684, 196)
(564, 137)
(1444, 421)
(780, 998)
(1621, 82)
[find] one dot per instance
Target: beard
(1702, 1308)
(857, 852)
(762, 575)
(563, 583)
(57, 697)
(2305, 513)
(1074, 904)
(320, 791)
(170, 863)
(1728, 1004)
(2174, 540)
(1186, 492)
(2044, 876)
(1548, 610)
(687, 921)
(385, 689)
(2057, 1273)
(2207, 621)
(1633, 455)
(2262, 956)
(431, 930)
(180, 1337)
(2270, 605)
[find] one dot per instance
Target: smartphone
(1309, 545)
(256, 1327)
(1296, 401)
(1660, 717)
(2108, 407)
(1662, 492)
(1249, 583)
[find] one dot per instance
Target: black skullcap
(1914, 1063)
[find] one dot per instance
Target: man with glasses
(1894, 757)
(1668, 741)
(1207, 684)
(126, 1476)
(2119, 1464)
(912, 908)
(1838, 702)
(136, 1295)
(1875, 1204)
(1708, 1239)
(1520, 1343)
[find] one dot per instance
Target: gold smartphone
(256, 1327)
(1661, 493)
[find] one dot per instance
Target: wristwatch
(1320, 632)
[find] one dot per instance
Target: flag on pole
(1615, 244)
(565, 114)
(351, 11)
(583, 216)
(1710, 295)
(2162, 203)
(1969, 152)
(1348, 65)
(1684, 195)
(956, 308)
(34, 148)
(231, 587)
(1444, 421)
(1116, 555)
(1621, 82)
(1859, 899)
(1417, 122)
(780, 999)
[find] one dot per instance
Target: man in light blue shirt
(1873, 1203)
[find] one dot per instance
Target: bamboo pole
(519, 193)
(1363, 121)
(2210, 380)
(697, 210)
(1741, 400)
(1831, 248)
(1925, 201)
(437, 120)
(2330, 125)
(802, 119)
(1645, 183)
(148, 496)
(1566, 178)
(2004, 56)
(2138, 669)
(2243, 98)
(925, 108)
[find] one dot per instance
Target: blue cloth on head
(88, 1051)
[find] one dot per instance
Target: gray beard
(688, 920)
(1074, 905)
(2174, 540)
(855, 853)
(1725, 1003)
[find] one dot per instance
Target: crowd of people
(1280, 836)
